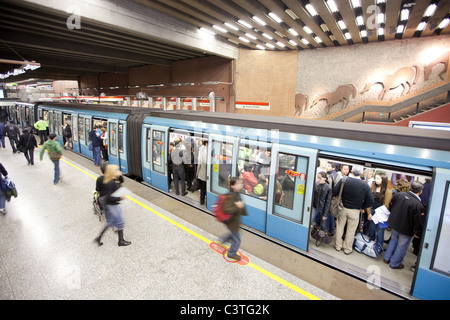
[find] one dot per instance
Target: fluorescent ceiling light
(245, 24)
(380, 1)
(360, 20)
(311, 10)
(332, 5)
(421, 26)
(404, 15)
(270, 45)
(260, 47)
(259, 20)
(292, 42)
(250, 36)
(444, 23)
(293, 32)
(380, 31)
(400, 28)
(231, 26)
(324, 27)
(430, 10)
(281, 44)
(363, 34)
(267, 36)
(219, 28)
(380, 17)
(207, 31)
(307, 29)
(305, 41)
(275, 17)
(356, 3)
(244, 39)
(347, 36)
(291, 14)
(342, 25)
(318, 40)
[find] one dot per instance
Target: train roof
(406, 136)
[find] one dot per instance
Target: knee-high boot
(122, 242)
(99, 238)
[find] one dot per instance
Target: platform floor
(47, 249)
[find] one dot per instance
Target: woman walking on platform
(107, 184)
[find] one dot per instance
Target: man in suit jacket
(405, 221)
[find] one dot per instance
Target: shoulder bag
(337, 206)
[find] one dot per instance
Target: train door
(253, 161)
(292, 173)
(146, 154)
(222, 150)
(121, 139)
(432, 279)
(75, 137)
(57, 122)
(84, 127)
(156, 148)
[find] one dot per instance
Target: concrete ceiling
(39, 30)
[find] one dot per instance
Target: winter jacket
(108, 189)
(51, 146)
(322, 198)
(406, 215)
(229, 207)
(250, 181)
(26, 141)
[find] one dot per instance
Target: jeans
(114, 217)
(13, 143)
(397, 248)
(56, 177)
(235, 242)
(2, 140)
(329, 225)
(29, 155)
(2, 200)
(97, 155)
(178, 175)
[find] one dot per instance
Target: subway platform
(47, 250)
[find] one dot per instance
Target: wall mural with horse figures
(405, 77)
(301, 103)
(441, 59)
(342, 93)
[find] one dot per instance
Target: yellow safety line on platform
(195, 234)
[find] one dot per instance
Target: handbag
(320, 235)
(337, 206)
(195, 185)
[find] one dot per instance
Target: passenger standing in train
(41, 126)
(104, 145)
(178, 169)
(321, 201)
(13, 133)
(170, 163)
(27, 143)
(356, 195)
(189, 169)
(382, 196)
(67, 133)
(106, 185)
(333, 176)
(55, 152)
(94, 136)
(2, 135)
(405, 220)
(202, 169)
(249, 178)
(3, 173)
(234, 205)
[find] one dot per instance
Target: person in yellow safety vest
(42, 126)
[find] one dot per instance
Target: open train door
(291, 186)
(156, 153)
(75, 138)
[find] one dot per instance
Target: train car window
(112, 139)
(81, 127)
(158, 150)
(441, 261)
(253, 166)
(222, 164)
(59, 123)
(87, 127)
(285, 180)
(120, 138)
(74, 128)
(149, 144)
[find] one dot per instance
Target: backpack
(363, 245)
(218, 210)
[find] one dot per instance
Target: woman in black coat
(27, 143)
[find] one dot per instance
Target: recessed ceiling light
(293, 32)
(219, 28)
(404, 15)
(245, 24)
(307, 29)
(444, 23)
(261, 22)
(311, 10)
(275, 17)
(421, 26)
(231, 26)
(332, 5)
(250, 36)
(244, 39)
(267, 36)
(430, 10)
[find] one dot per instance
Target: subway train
(286, 153)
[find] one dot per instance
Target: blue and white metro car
(288, 153)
